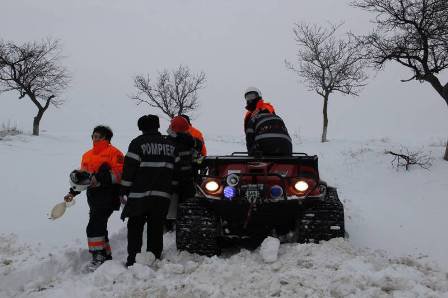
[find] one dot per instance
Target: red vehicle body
(243, 197)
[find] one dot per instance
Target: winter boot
(98, 258)
(169, 225)
(130, 261)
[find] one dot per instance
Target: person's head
(148, 123)
(178, 125)
(252, 95)
(102, 132)
(186, 118)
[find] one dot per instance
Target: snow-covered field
(396, 221)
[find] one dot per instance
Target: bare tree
(328, 64)
(413, 33)
(173, 93)
(33, 70)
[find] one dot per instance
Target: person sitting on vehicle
(266, 133)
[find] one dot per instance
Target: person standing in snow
(200, 151)
(265, 131)
(186, 145)
(197, 135)
(150, 166)
(103, 164)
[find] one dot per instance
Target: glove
(68, 197)
(123, 199)
(102, 177)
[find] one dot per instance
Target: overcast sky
(236, 43)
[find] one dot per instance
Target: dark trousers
(97, 228)
(186, 190)
(154, 216)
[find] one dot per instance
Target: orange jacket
(103, 152)
(195, 133)
(261, 105)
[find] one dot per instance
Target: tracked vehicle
(243, 199)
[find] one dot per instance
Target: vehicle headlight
(301, 186)
(212, 186)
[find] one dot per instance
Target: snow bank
(330, 269)
(396, 221)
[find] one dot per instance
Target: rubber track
(197, 228)
(323, 220)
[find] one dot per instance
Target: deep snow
(396, 221)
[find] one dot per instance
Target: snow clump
(269, 249)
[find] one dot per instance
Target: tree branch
(413, 33)
(410, 158)
(172, 93)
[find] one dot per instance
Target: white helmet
(80, 180)
(253, 90)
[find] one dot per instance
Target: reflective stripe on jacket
(267, 133)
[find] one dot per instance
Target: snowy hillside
(396, 221)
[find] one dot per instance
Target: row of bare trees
(35, 72)
(412, 33)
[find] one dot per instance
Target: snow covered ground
(396, 221)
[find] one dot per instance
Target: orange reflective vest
(261, 105)
(195, 133)
(103, 152)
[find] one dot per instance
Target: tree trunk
(443, 92)
(324, 130)
(36, 122)
(446, 152)
(41, 110)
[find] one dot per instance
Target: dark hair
(148, 123)
(186, 118)
(104, 131)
